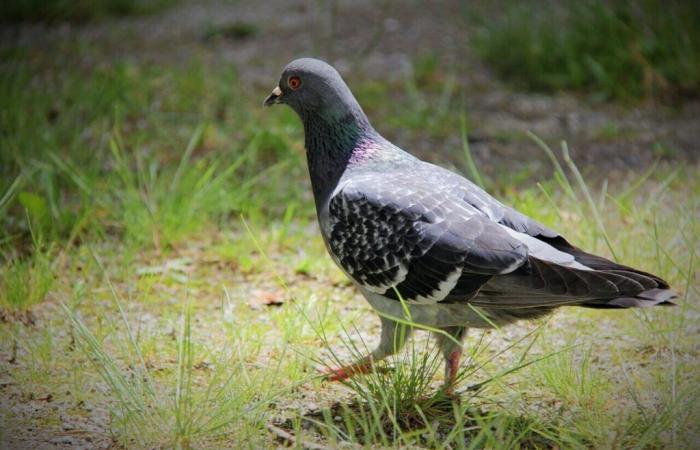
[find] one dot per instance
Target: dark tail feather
(543, 284)
(656, 289)
(645, 299)
(598, 262)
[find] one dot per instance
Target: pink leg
(452, 369)
(451, 348)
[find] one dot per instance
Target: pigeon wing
(427, 244)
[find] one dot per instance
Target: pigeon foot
(345, 372)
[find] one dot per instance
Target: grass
(65, 181)
(26, 280)
(622, 50)
(163, 320)
(184, 403)
(399, 404)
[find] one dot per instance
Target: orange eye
(294, 82)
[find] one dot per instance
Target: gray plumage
(399, 226)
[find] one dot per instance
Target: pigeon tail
(645, 299)
(547, 284)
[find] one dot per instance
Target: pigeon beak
(274, 97)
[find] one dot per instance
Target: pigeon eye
(294, 82)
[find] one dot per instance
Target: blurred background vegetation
(53, 11)
(135, 128)
(619, 50)
(96, 120)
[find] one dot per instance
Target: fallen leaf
(260, 299)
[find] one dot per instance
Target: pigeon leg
(393, 338)
(451, 349)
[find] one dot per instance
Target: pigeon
(417, 239)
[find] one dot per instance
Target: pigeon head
(336, 131)
(314, 89)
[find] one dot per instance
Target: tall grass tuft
(158, 205)
(25, 280)
(181, 404)
(400, 402)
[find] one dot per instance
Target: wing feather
(441, 243)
